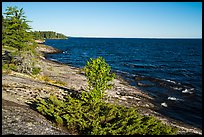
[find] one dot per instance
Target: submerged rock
(145, 84)
(164, 104)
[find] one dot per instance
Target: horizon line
(136, 37)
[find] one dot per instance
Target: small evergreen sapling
(99, 77)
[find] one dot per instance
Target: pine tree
(16, 29)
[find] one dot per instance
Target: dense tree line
(47, 35)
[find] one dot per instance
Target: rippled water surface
(170, 70)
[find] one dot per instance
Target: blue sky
(115, 19)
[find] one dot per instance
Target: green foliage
(15, 29)
(12, 67)
(49, 80)
(9, 49)
(98, 74)
(7, 62)
(86, 115)
(7, 68)
(60, 83)
(17, 39)
(41, 35)
(36, 70)
(100, 118)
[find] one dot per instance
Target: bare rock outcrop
(21, 120)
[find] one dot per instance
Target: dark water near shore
(169, 70)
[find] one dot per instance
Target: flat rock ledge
(21, 120)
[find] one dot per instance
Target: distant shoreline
(131, 37)
(57, 38)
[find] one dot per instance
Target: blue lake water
(170, 70)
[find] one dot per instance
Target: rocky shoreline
(19, 89)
